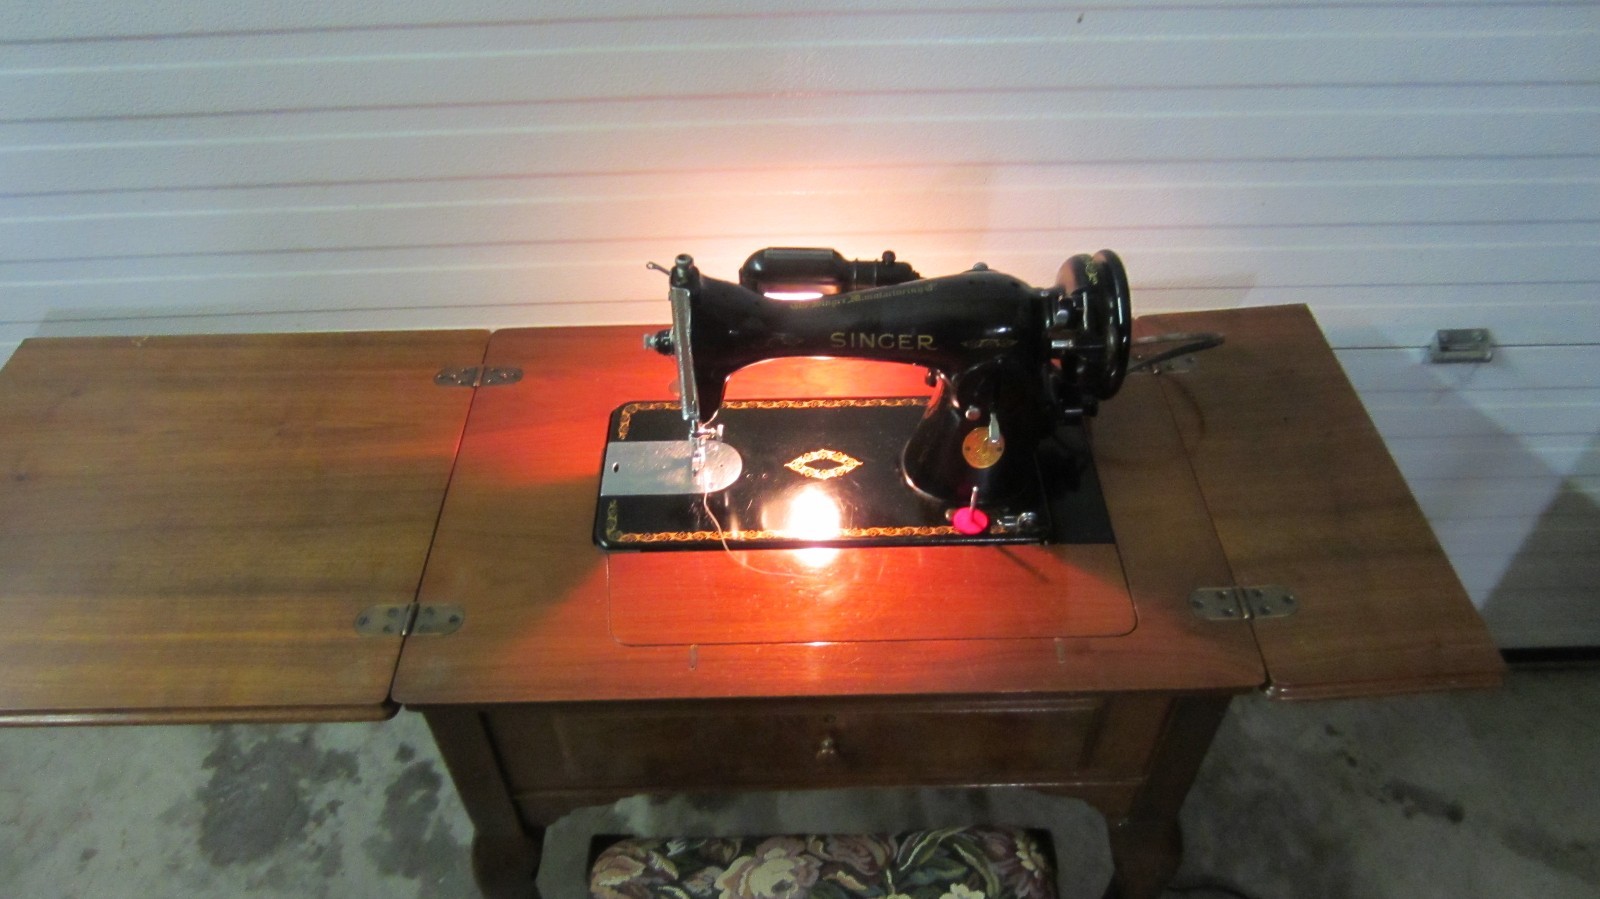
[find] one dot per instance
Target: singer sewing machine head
(1010, 365)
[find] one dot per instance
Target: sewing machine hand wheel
(1104, 319)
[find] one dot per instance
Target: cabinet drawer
(808, 743)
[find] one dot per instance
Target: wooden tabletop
(189, 526)
(514, 549)
(1304, 493)
(1258, 467)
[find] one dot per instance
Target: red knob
(970, 520)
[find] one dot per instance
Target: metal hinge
(1238, 603)
(413, 619)
(476, 376)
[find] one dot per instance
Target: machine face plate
(823, 472)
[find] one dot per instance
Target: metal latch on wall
(477, 376)
(1239, 603)
(1461, 345)
(413, 619)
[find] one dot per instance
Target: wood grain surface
(797, 743)
(189, 526)
(666, 598)
(514, 549)
(1304, 494)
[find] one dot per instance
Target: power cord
(722, 536)
(1189, 342)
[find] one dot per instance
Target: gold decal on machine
(979, 450)
(805, 464)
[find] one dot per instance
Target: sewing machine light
(809, 273)
(812, 514)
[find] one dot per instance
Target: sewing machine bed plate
(826, 472)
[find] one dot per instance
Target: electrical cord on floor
(1207, 886)
(1189, 342)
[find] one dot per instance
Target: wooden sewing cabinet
(222, 529)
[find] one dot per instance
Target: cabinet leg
(505, 849)
(1147, 845)
(1145, 855)
(505, 866)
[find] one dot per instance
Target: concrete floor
(1475, 795)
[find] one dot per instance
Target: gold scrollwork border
(615, 534)
(625, 419)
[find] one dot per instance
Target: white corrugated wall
(199, 165)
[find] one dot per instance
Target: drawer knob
(828, 750)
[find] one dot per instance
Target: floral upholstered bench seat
(988, 862)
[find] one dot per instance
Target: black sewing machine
(998, 454)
